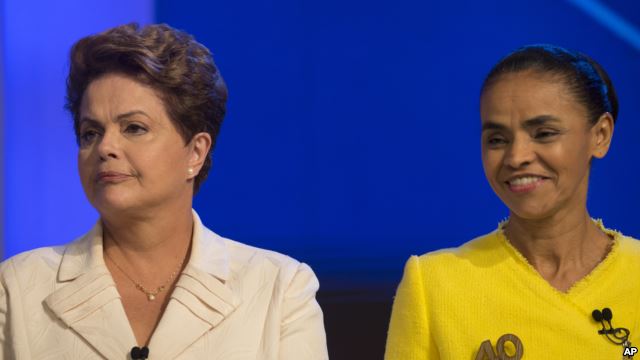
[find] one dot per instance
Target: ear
(199, 149)
(601, 134)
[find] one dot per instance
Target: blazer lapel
(198, 304)
(201, 299)
(87, 300)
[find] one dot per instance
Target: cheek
(491, 161)
(161, 165)
(84, 165)
(85, 170)
(572, 159)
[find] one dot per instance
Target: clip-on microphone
(618, 336)
(139, 353)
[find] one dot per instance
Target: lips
(525, 183)
(112, 176)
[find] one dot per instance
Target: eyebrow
(118, 118)
(131, 113)
(529, 123)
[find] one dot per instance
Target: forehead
(115, 93)
(528, 94)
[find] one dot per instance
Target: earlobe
(200, 146)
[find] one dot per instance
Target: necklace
(151, 294)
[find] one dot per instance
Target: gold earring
(190, 171)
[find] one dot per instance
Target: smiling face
(131, 155)
(537, 144)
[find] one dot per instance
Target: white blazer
(232, 302)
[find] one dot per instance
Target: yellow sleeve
(409, 337)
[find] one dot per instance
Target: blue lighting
(611, 20)
(44, 203)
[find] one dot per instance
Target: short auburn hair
(170, 61)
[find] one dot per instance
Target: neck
(160, 236)
(562, 248)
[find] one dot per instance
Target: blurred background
(352, 138)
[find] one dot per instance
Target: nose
(109, 145)
(519, 153)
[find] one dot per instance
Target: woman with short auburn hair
(150, 280)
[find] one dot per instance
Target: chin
(111, 202)
(530, 211)
(530, 208)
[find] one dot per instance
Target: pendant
(151, 297)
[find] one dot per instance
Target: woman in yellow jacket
(550, 282)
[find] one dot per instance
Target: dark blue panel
(352, 139)
(44, 202)
(2, 114)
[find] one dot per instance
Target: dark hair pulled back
(585, 78)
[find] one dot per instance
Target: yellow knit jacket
(483, 300)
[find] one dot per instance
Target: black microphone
(598, 317)
(607, 315)
(620, 335)
(139, 353)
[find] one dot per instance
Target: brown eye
(545, 134)
(135, 129)
(496, 140)
(88, 136)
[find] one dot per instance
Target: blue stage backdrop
(2, 189)
(352, 138)
(44, 203)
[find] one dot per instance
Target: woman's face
(537, 144)
(131, 155)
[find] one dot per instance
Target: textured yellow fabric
(451, 301)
